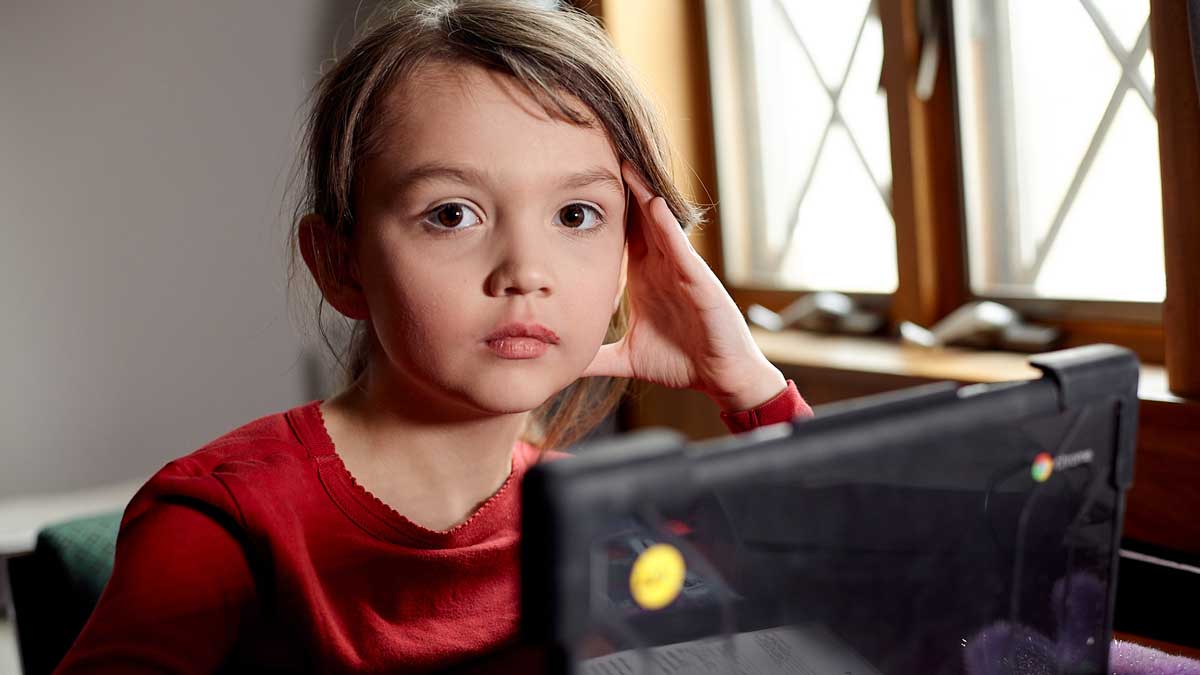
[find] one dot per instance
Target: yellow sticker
(657, 576)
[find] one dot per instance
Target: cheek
(597, 282)
(415, 306)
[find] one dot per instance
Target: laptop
(939, 529)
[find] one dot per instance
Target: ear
(323, 250)
(623, 276)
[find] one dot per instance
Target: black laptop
(940, 529)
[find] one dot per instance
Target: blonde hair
(556, 55)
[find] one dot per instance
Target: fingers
(661, 229)
(635, 231)
(644, 201)
(641, 191)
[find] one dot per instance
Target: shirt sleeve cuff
(784, 406)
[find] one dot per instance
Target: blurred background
(144, 152)
(904, 191)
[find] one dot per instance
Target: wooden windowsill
(890, 357)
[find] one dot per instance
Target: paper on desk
(800, 650)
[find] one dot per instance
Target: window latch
(822, 311)
(984, 324)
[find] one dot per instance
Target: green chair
(55, 588)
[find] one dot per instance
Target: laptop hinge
(1087, 373)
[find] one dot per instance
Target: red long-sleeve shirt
(260, 552)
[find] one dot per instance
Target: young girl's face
(481, 211)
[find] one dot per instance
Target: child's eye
(575, 217)
(451, 216)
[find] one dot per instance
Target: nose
(523, 264)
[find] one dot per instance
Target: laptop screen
(947, 531)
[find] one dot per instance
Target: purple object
(1009, 649)
(1127, 658)
(1005, 648)
(1079, 602)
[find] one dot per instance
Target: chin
(513, 394)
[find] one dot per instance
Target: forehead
(465, 114)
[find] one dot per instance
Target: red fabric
(260, 552)
(781, 408)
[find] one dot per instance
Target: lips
(523, 330)
(520, 341)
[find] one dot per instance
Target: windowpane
(1106, 229)
(864, 107)
(810, 145)
(793, 111)
(1124, 17)
(1060, 149)
(829, 35)
(833, 256)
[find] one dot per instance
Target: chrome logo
(1043, 466)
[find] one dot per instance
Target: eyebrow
(595, 175)
(469, 176)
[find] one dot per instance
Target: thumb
(612, 360)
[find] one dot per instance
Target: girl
(487, 198)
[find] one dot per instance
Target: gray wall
(144, 148)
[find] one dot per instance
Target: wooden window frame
(1177, 100)
(931, 245)
(927, 186)
(928, 210)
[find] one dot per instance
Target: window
(798, 95)
(1091, 258)
(1026, 169)
(1059, 149)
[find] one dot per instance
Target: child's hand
(685, 331)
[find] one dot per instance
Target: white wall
(144, 148)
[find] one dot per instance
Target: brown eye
(451, 216)
(573, 216)
(580, 217)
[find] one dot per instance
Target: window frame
(729, 115)
(1178, 111)
(933, 276)
(1039, 307)
(936, 224)
(1137, 325)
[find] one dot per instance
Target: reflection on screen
(986, 553)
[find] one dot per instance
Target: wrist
(768, 383)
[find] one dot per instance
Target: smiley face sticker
(657, 576)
